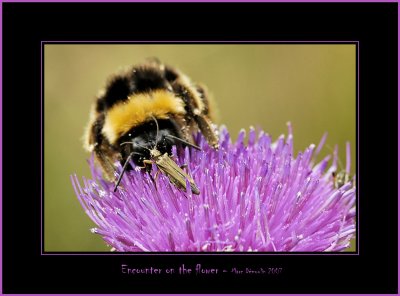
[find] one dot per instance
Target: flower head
(253, 197)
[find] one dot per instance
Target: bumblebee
(125, 111)
(165, 164)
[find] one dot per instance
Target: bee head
(146, 138)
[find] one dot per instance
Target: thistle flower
(254, 197)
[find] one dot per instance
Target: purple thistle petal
(320, 145)
(254, 197)
(348, 156)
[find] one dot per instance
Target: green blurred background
(265, 85)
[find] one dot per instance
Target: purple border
(1, 145)
(358, 148)
(202, 42)
(205, 1)
(287, 1)
(41, 149)
(398, 145)
(199, 43)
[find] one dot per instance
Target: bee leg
(123, 171)
(184, 142)
(207, 130)
(105, 163)
(198, 109)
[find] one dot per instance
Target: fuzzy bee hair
(124, 110)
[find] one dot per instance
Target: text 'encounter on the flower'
(198, 269)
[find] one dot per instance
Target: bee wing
(175, 173)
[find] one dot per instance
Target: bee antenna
(183, 141)
(135, 144)
(124, 143)
(155, 145)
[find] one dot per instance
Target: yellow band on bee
(138, 109)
